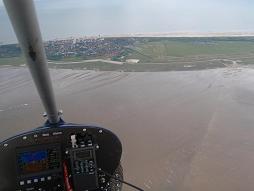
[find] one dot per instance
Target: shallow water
(184, 131)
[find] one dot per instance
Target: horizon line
(154, 35)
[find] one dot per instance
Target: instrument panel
(65, 158)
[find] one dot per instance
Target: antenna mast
(24, 21)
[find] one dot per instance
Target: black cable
(122, 181)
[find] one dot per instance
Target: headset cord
(122, 181)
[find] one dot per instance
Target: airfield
(180, 130)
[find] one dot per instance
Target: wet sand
(181, 131)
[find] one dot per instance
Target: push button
(36, 180)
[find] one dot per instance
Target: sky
(75, 18)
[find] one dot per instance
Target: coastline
(166, 34)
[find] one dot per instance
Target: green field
(168, 50)
(165, 54)
(13, 61)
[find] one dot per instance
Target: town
(81, 48)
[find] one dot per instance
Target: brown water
(184, 131)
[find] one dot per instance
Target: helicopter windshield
(164, 88)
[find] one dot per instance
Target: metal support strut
(24, 21)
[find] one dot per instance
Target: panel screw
(44, 114)
(100, 131)
(25, 137)
(84, 130)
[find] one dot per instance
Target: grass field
(165, 54)
(191, 49)
(14, 61)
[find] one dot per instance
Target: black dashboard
(65, 158)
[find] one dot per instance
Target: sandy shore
(165, 34)
(184, 34)
(88, 61)
(181, 131)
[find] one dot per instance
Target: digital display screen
(84, 154)
(38, 161)
(32, 162)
